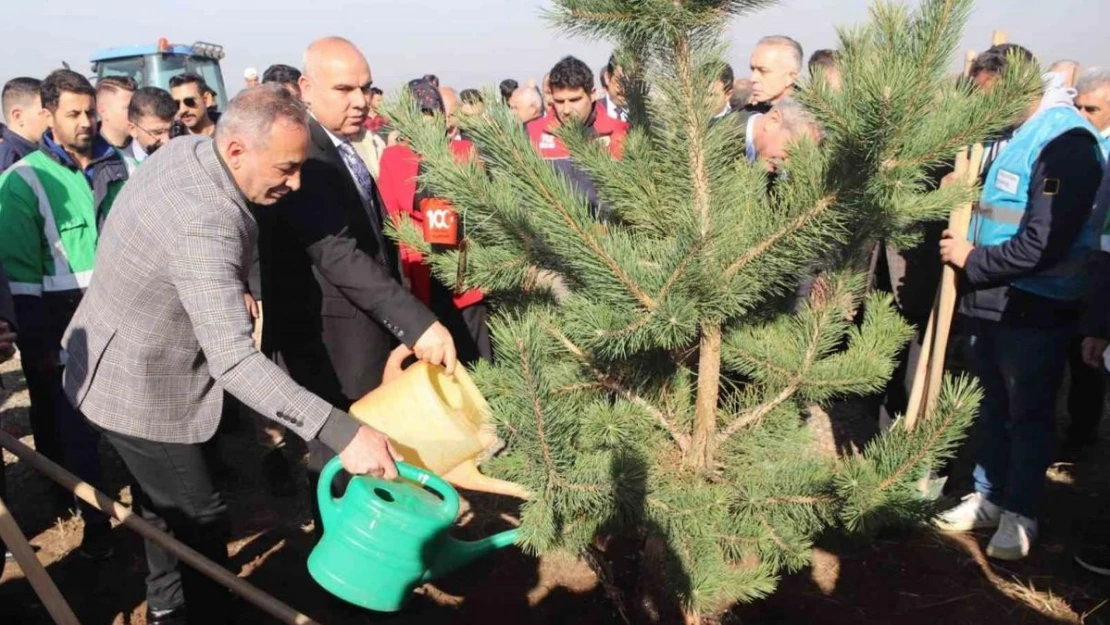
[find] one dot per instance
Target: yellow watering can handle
(435, 483)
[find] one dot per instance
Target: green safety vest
(50, 217)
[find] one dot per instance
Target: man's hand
(954, 250)
(436, 347)
(7, 341)
(370, 452)
(252, 306)
(393, 366)
(1092, 350)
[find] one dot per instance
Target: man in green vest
(52, 205)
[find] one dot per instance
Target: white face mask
(1106, 359)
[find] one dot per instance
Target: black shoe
(279, 478)
(97, 542)
(175, 616)
(1094, 558)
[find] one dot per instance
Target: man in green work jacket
(53, 203)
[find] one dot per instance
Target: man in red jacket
(464, 314)
(571, 82)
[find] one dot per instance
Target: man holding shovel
(1022, 281)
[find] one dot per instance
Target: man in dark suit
(335, 305)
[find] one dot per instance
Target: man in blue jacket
(26, 122)
(1023, 282)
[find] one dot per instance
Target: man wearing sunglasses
(150, 124)
(1093, 98)
(192, 113)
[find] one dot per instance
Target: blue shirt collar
(101, 150)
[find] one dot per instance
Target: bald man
(335, 305)
(451, 105)
(527, 104)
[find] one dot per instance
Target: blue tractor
(154, 65)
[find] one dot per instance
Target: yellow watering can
(437, 422)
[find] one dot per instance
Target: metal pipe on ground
(127, 517)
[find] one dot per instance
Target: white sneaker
(974, 512)
(1014, 537)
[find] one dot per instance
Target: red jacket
(397, 184)
(611, 132)
(375, 124)
(608, 130)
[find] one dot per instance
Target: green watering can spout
(456, 554)
(383, 539)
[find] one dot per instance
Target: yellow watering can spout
(437, 422)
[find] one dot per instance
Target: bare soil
(909, 579)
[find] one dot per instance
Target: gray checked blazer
(162, 329)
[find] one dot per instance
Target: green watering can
(382, 539)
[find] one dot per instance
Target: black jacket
(1051, 223)
(335, 306)
(13, 149)
(1097, 319)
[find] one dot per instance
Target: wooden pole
(127, 517)
(958, 223)
(969, 60)
(930, 365)
(43, 586)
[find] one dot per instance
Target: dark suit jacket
(335, 305)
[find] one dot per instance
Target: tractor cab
(154, 65)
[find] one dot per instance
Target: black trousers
(43, 383)
(1086, 396)
(173, 491)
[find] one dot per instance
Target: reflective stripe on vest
(63, 279)
(1005, 198)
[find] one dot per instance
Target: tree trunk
(703, 443)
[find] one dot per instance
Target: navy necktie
(363, 179)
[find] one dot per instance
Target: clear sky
(468, 43)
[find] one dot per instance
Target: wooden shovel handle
(43, 586)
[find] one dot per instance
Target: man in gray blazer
(163, 331)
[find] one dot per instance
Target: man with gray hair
(527, 104)
(1093, 98)
(162, 332)
(769, 135)
(776, 63)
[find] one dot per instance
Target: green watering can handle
(435, 483)
(329, 506)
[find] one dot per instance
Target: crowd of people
(242, 261)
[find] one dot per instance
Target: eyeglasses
(157, 133)
(1087, 108)
(188, 102)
